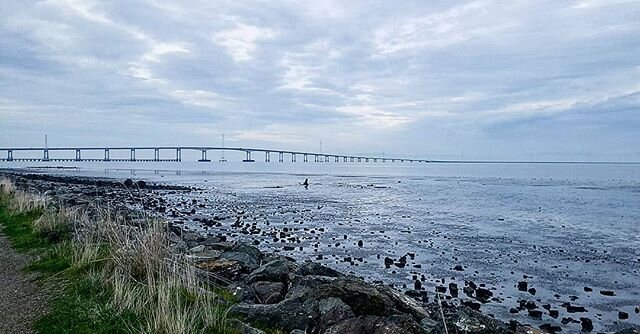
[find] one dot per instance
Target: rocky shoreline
(276, 291)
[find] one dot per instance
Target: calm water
(560, 227)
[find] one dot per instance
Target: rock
(128, 183)
(388, 262)
(227, 269)
(302, 285)
(274, 271)
(429, 325)
(297, 331)
(141, 184)
(554, 313)
(574, 309)
(537, 314)
(607, 293)
(246, 255)
(453, 290)
(376, 325)
(623, 315)
(312, 268)
(268, 292)
(458, 268)
(363, 298)
(551, 328)
(197, 249)
(467, 320)
(332, 310)
(532, 291)
(483, 295)
(523, 286)
(404, 303)
(289, 314)
(471, 304)
(587, 324)
(240, 327)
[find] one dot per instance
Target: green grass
(78, 303)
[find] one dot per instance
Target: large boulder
(364, 299)
(376, 325)
(248, 256)
(316, 269)
(287, 315)
(268, 292)
(274, 271)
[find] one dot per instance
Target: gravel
(22, 301)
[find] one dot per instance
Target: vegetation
(106, 274)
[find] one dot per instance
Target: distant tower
(46, 142)
(222, 159)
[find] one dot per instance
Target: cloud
(358, 75)
(241, 41)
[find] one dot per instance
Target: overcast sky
(487, 79)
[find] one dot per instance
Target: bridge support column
(293, 157)
(9, 155)
(366, 160)
(78, 155)
(359, 159)
(280, 157)
(326, 158)
(248, 159)
(178, 154)
(337, 159)
(204, 156)
(316, 158)
(351, 159)
(306, 158)
(106, 155)
(267, 156)
(133, 155)
(156, 154)
(344, 159)
(45, 156)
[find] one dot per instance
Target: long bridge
(174, 154)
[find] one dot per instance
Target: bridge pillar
(337, 159)
(9, 155)
(133, 154)
(351, 159)
(359, 159)
(203, 157)
(326, 158)
(293, 157)
(156, 154)
(306, 158)
(248, 159)
(366, 160)
(45, 155)
(106, 155)
(178, 154)
(280, 157)
(78, 155)
(267, 156)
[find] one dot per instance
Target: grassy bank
(105, 274)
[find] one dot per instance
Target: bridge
(174, 154)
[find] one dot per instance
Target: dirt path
(22, 301)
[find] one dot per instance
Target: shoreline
(117, 193)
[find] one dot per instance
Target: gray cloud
(434, 79)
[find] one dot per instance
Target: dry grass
(6, 186)
(134, 262)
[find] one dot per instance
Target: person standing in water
(306, 183)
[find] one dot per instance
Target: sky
(513, 80)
